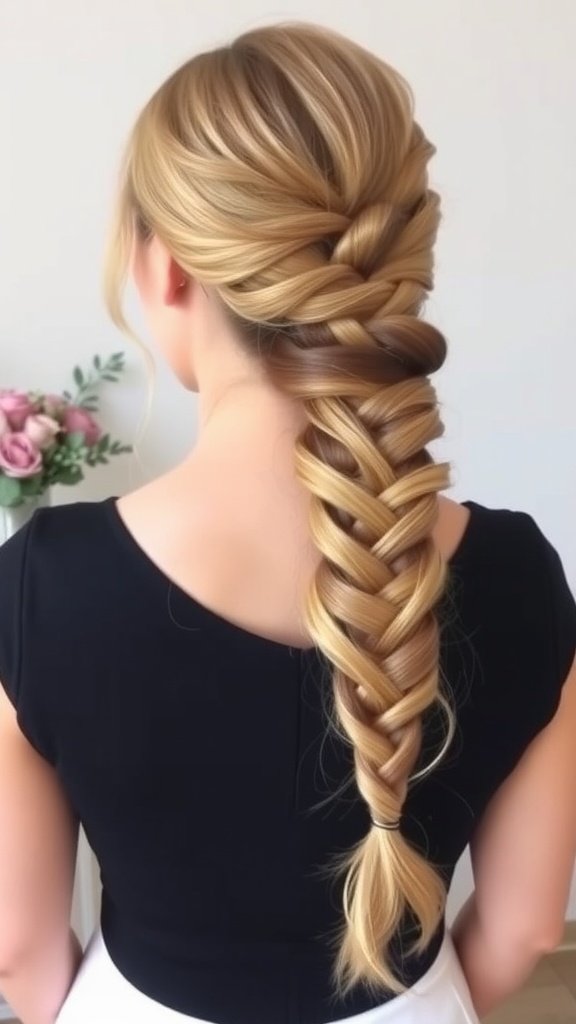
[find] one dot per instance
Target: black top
(197, 755)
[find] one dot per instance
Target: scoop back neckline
(131, 544)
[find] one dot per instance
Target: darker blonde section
(287, 172)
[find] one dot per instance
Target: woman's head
(275, 191)
(286, 174)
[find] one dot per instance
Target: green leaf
(97, 362)
(32, 486)
(78, 376)
(10, 491)
(67, 395)
(69, 475)
(108, 376)
(74, 441)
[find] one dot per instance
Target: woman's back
(199, 757)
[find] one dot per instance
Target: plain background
(495, 82)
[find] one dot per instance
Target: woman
(285, 685)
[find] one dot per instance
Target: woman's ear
(172, 282)
(158, 277)
(177, 284)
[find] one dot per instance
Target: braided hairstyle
(287, 173)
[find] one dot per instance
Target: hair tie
(389, 826)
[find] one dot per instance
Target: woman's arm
(39, 955)
(523, 858)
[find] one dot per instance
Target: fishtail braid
(287, 173)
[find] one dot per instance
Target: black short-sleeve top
(199, 757)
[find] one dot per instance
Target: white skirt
(102, 995)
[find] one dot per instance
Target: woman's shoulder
(509, 590)
(54, 544)
(509, 565)
(494, 537)
(68, 523)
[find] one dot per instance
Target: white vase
(11, 519)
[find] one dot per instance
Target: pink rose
(41, 430)
(19, 457)
(16, 406)
(4, 425)
(77, 421)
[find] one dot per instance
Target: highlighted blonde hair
(287, 173)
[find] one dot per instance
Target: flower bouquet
(49, 439)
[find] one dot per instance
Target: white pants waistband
(102, 995)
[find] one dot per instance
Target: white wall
(495, 82)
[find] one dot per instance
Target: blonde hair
(286, 171)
